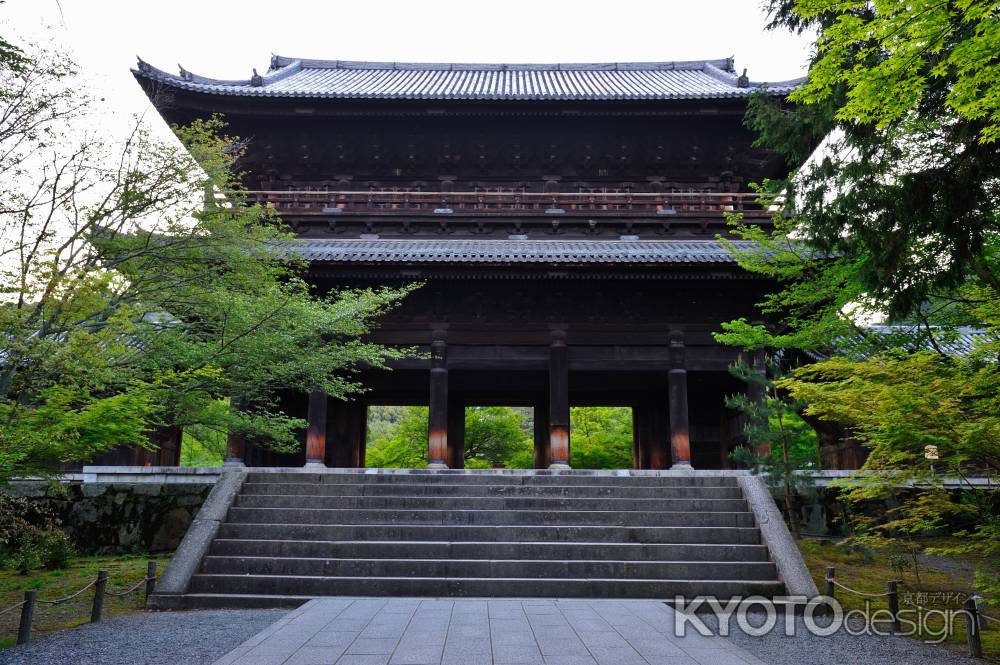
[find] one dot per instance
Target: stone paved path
(415, 631)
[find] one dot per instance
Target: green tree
(401, 446)
(494, 435)
(601, 437)
(781, 446)
(896, 216)
(904, 95)
(138, 287)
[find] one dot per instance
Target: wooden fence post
(27, 614)
(102, 581)
(972, 628)
(150, 579)
(892, 587)
(984, 623)
(830, 574)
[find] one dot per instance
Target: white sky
(225, 39)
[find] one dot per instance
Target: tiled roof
(958, 341)
(910, 338)
(515, 251)
(338, 79)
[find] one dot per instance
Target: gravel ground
(146, 638)
(803, 648)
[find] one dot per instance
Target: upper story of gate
(523, 151)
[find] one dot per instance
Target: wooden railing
(511, 202)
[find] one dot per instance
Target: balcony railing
(511, 203)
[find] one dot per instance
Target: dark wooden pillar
(680, 442)
(456, 434)
(558, 402)
(541, 418)
(346, 428)
(316, 433)
(636, 438)
(236, 444)
(649, 433)
(168, 446)
(359, 430)
(658, 448)
(437, 420)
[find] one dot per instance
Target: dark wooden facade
(566, 241)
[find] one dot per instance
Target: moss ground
(123, 572)
(940, 581)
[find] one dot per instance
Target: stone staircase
(291, 536)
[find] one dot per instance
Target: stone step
(217, 601)
(487, 517)
(504, 534)
(299, 501)
(284, 585)
(442, 489)
(493, 478)
(488, 568)
(401, 549)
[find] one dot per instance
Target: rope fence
(975, 621)
(60, 601)
(27, 606)
(11, 608)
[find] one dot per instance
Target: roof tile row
(331, 79)
(516, 251)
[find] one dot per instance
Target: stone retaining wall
(115, 518)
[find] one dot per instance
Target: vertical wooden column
(658, 448)
(558, 401)
(541, 419)
(346, 428)
(680, 442)
(316, 433)
(437, 421)
(360, 413)
(456, 434)
(648, 434)
(236, 444)
(636, 438)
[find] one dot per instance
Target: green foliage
(910, 401)
(138, 288)
(403, 446)
(30, 537)
(899, 564)
(781, 446)
(499, 436)
(895, 218)
(494, 435)
(905, 96)
(601, 438)
(894, 58)
(56, 549)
